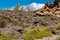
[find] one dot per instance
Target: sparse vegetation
(36, 33)
(6, 37)
(29, 23)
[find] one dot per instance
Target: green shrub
(36, 33)
(27, 37)
(7, 37)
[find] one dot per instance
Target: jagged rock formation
(17, 7)
(57, 3)
(50, 9)
(49, 5)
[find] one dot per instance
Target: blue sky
(11, 3)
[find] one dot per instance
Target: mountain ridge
(30, 7)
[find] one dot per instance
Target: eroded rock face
(9, 31)
(50, 9)
(57, 3)
(17, 7)
(49, 5)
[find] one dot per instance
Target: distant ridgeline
(50, 9)
(16, 8)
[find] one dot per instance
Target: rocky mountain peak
(57, 3)
(50, 9)
(17, 7)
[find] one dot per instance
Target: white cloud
(12, 8)
(35, 6)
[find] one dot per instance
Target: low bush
(7, 37)
(36, 33)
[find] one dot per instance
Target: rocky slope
(20, 20)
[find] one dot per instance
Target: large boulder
(8, 31)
